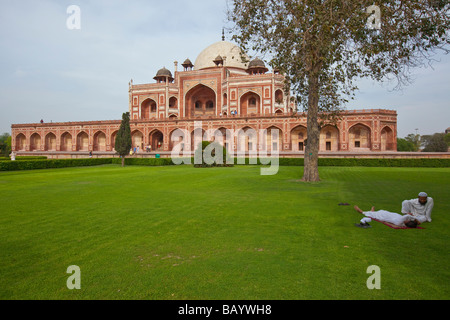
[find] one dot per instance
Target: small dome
(257, 66)
(218, 60)
(187, 63)
(256, 63)
(162, 74)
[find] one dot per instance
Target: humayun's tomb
(225, 94)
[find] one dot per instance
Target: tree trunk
(311, 161)
(123, 161)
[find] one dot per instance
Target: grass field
(218, 233)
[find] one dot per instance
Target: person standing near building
(419, 207)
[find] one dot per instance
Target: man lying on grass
(386, 216)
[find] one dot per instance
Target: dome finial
(223, 34)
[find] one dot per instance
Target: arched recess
(359, 138)
(21, 142)
(250, 103)
(247, 140)
(35, 142)
(137, 140)
(179, 139)
(173, 103)
(279, 96)
(387, 139)
(113, 140)
(271, 141)
(197, 136)
(82, 141)
(66, 142)
(99, 141)
(298, 138)
(200, 101)
(156, 139)
(50, 142)
(149, 109)
(329, 138)
(224, 136)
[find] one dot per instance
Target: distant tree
(405, 145)
(425, 140)
(414, 139)
(323, 47)
(447, 139)
(436, 143)
(5, 144)
(123, 138)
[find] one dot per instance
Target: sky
(51, 72)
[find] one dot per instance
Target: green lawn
(180, 232)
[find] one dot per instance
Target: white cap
(423, 194)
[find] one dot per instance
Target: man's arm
(406, 207)
(430, 205)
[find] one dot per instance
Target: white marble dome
(224, 49)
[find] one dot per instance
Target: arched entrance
(99, 141)
(156, 139)
(274, 139)
(329, 139)
(359, 138)
(200, 101)
(247, 140)
(148, 109)
(21, 142)
(137, 140)
(35, 142)
(50, 142)
(225, 137)
(298, 138)
(197, 136)
(82, 141)
(66, 142)
(250, 103)
(113, 140)
(387, 139)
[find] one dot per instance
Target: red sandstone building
(225, 94)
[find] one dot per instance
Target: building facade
(224, 96)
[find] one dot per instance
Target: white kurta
(387, 216)
(419, 211)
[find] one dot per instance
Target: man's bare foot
(358, 209)
(373, 209)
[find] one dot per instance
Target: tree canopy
(324, 46)
(5, 144)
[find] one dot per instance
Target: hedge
(51, 163)
(144, 161)
(21, 158)
(370, 162)
(347, 162)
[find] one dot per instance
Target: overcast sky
(53, 73)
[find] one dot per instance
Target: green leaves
(123, 137)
